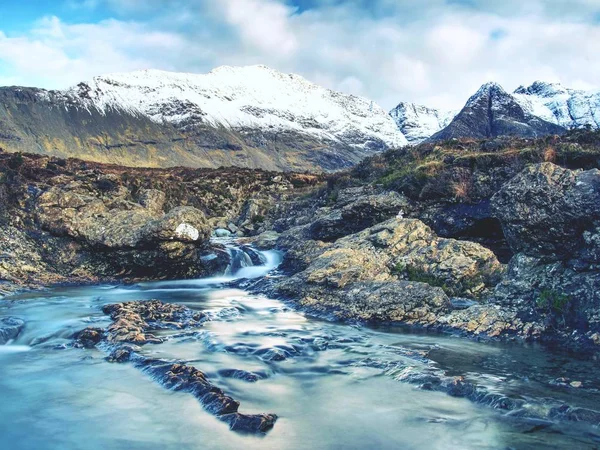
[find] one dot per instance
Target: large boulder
(551, 212)
(127, 239)
(397, 271)
(375, 301)
(126, 225)
(409, 249)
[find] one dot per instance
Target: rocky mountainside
(251, 117)
(554, 103)
(492, 112)
(418, 122)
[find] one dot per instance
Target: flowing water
(333, 386)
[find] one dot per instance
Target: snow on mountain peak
(418, 122)
(250, 97)
(554, 103)
(490, 88)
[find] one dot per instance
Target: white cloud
(436, 52)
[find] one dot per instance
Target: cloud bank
(433, 52)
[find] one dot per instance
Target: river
(333, 386)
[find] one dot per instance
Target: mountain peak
(542, 89)
(492, 112)
(491, 87)
(418, 122)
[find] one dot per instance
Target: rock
(547, 211)
(10, 327)
(266, 240)
(89, 337)
(152, 199)
(232, 227)
(133, 323)
(375, 301)
(222, 233)
(184, 224)
(409, 249)
(490, 321)
(357, 215)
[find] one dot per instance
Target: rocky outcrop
(397, 271)
(549, 211)
(357, 212)
(133, 326)
(551, 216)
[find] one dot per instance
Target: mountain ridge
(258, 117)
(249, 116)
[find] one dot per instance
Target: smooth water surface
(330, 384)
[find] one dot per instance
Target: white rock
(188, 232)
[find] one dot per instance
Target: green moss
(552, 301)
(419, 276)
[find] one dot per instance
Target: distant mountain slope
(243, 116)
(493, 112)
(569, 108)
(418, 122)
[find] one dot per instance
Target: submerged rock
(132, 326)
(10, 327)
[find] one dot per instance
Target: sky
(432, 52)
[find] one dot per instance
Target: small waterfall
(247, 262)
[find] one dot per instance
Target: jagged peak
(490, 86)
(542, 88)
(487, 89)
(408, 106)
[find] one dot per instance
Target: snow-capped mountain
(252, 97)
(569, 108)
(418, 122)
(245, 116)
(492, 112)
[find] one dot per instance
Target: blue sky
(434, 52)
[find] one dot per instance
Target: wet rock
(132, 321)
(123, 353)
(89, 337)
(244, 375)
(222, 233)
(266, 240)
(132, 324)
(243, 423)
(10, 327)
(491, 321)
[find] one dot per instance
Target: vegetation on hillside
(468, 170)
